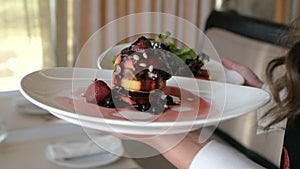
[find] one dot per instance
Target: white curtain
(55, 32)
(92, 15)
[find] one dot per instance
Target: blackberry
(169, 100)
(195, 66)
(144, 107)
(165, 47)
(108, 102)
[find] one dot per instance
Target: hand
(251, 79)
(179, 149)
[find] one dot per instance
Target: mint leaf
(164, 35)
(183, 53)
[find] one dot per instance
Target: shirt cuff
(215, 156)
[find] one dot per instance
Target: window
(27, 38)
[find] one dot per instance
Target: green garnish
(148, 43)
(164, 35)
(113, 61)
(162, 39)
(182, 53)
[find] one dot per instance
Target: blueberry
(169, 100)
(155, 95)
(165, 47)
(108, 102)
(144, 107)
(157, 109)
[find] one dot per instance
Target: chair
(252, 42)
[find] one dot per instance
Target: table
(29, 135)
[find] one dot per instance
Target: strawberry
(97, 92)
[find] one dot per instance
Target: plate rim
(135, 123)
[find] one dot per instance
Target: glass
(3, 132)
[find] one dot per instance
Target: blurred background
(36, 34)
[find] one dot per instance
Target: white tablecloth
(29, 135)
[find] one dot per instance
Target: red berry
(97, 92)
(139, 45)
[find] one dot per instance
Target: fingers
(228, 63)
(232, 65)
(251, 79)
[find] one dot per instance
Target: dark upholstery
(262, 30)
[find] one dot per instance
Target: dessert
(140, 76)
(141, 71)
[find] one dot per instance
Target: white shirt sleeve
(218, 156)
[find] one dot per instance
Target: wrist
(180, 151)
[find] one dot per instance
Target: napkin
(84, 146)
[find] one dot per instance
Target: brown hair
(289, 106)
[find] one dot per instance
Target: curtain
(92, 15)
(53, 19)
(46, 34)
(286, 10)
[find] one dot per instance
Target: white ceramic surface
(227, 100)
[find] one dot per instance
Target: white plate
(216, 70)
(88, 161)
(54, 90)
